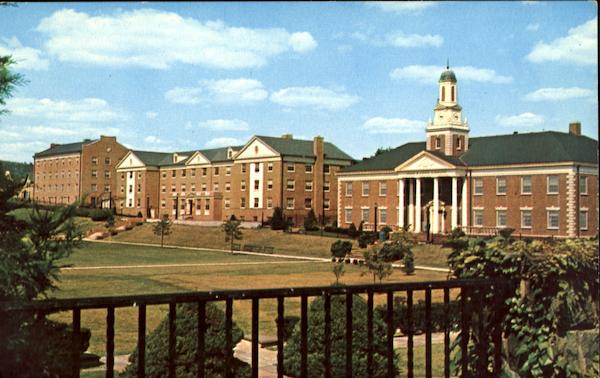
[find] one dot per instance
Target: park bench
(268, 249)
(236, 247)
(252, 248)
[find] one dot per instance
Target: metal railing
(76, 305)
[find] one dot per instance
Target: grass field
(84, 223)
(233, 274)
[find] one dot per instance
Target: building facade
(65, 173)
(540, 184)
(246, 181)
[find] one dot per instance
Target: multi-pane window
(269, 203)
(326, 168)
(173, 173)
(553, 219)
(308, 186)
(243, 185)
(291, 168)
(326, 186)
(227, 171)
(122, 189)
(478, 186)
(383, 188)
(243, 168)
(270, 167)
(204, 171)
(501, 185)
(183, 172)
(583, 219)
(552, 184)
(269, 184)
(139, 202)
(107, 174)
(163, 203)
(162, 189)
(163, 175)
(243, 202)
(193, 172)
(290, 185)
(94, 160)
(348, 189)
(526, 185)
(173, 188)
(290, 203)
(216, 171)
(308, 168)
(348, 215)
(501, 218)
(207, 205)
(94, 188)
(364, 215)
(255, 203)
(478, 217)
(139, 188)
(182, 188)
(227, 203)
(203, 186)
(256, 167)
(94, 173)
(227, 186)
(382, 215)
(326, 204)
(365, 188)
(308, 203)
(526, 220)
(256, 184)
(193, 187)
(106, 160)
(583, 188)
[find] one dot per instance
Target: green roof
(303, 148)
(527, 148)
(154, 158)
(63, 149)
(448, 75)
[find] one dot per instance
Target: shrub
(278, 221)
(391, 252)
(409, 263)
(310, 221)
(289, 322)
(340, 248)
(316, 341)
(438, 313)
(157, 346)
(98, 215)
(386, 232)
(352, 231)
(366, 238)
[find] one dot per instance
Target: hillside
(17, 170)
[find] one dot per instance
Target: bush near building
(341, 248)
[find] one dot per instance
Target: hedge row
(438, 314)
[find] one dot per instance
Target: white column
(436, 207)
(411, 204)
(418, 206)
(464, 203)
(401, 203)
(454, 203)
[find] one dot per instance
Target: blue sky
(188, 76)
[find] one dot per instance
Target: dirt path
(180, 265)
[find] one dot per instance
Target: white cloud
(151, 115)
(223, 142)
(401, 6)
(156, 39)
(521, 120)
(26, 58)
(558, 94)
(88, 110)
(533, 27)
(380, 125)
(226, 91)
(225, 125)
(580, 46)
(151, 139)
(313, 97)
(400, 39)
(431, 74)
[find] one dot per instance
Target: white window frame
(585, 180)
(269, 203)
(308, 186)
(290, 167)
(348, 215)
(293, 203)
(256, 202)
(365, 185)
(242, 202)
(476, 210)
(523, 185)
(548, 184)
(362, 214)
(309, 200)
(308, 168)
(523, 211)
(382, 185)
(581, 226)
(293, 186)
(498, 212)
(243, 185)
(326, 204)
(269, 184)
(477, 180)
(549, 211)
(498, 192)
(326, 186)
(382, 210)
(349, 189)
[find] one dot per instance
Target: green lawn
(269, 273)
(84, 223)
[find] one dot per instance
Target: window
(107, 160)
(94, 173)
(326, 186)
(207, 205)
(382, 215)
(243, 167)
(193, 188)
(139, 202)
(326, 204)
(348, 189)
(583, 185)
(270, 167)
(553, 221)
(227, 171)
(500, 185)
(256, 167)
(365, 189)
(173, 188)
(269, 184)
(256, 184)
(583, 219)
(501, 218)
(552, 184)
(164, 174)
(290, 185)
(308, 168)
(94, 160)
(183, 188)
(203, 186)
(459, 143)
(173, 173)
(478, 217)
(216, 171)
(174, 205)
(269, 203)
(163, 189)
(204, 171)
(139, 175)
(443, 93)
(227, 186)
(526, 185)
(106, 188)
(255, 203)
(216, 187)
(130, 203)
(139, 187)
(122, 189)
(290, 203)
(291, 168)
(308, 203)
(383, 189)
(364, 215)
(227, 203)
(199, 204)
(94, 188)
(163, 203)
(326, 168)
(183, 173)
(193, 172)
(348, 215)
(243, 202)
(526, 221)
(308, 186)
(478, 186)
(438, 143)
(243, 185)
(106, 174)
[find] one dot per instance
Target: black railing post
(76, 341)
(110, 342)
(370, 333)
(446, 332)
(280, 326)
(349, 334)
(428, 333)
(255, 337)
(172, 339)
(410, 341)
(498, 314)
(201, 332)
(228, 337)
(141, 368)
(464, 334)
(481, 344)
(303, 336)
(390, 334)
(327, 341)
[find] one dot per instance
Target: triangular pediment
(130, 161)
(198, 159)
(256, 148)
(424, 161)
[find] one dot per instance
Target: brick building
(541, 184)
(65, 173)
(247, 181)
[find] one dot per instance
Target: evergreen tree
(162, 228)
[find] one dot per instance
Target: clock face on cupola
(447, 132)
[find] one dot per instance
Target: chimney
(105, 137)
(575, 128)
(287, 136)
(52, 145)
(318, 148)
(175, 157)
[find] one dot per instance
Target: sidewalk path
(179, 265)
